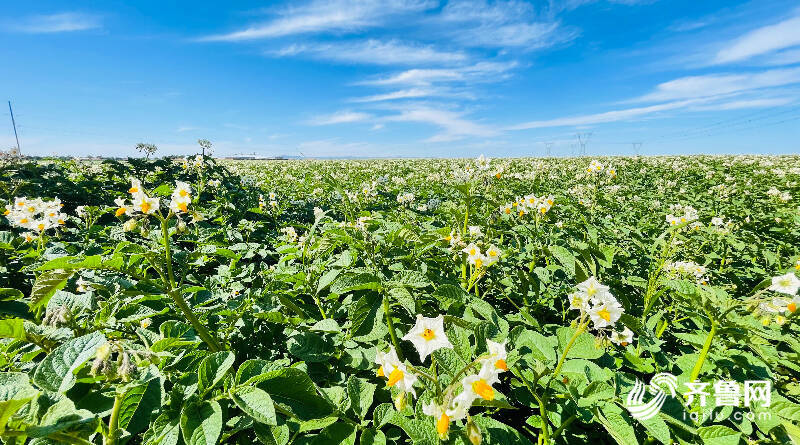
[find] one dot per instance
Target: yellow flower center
(591, 291)
(23, 221)
(501, 364)
(472, 252)
(478, 263)
(133, 190)
(604, 314)
(40, 227)
(182, 206)
(21, 204)
(508, 210)
(145, 207)
(183, 193)
(61, 221)
(543, 210)
(483, 389)
(6, 212)
(120, 211)
(442, 425)
(380, 372)
(428, 334)
(792, 307)
(394, 377)
(784, 282)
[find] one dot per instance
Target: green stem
(176, 296)
(564, 425)
(571, 341)
(113, 422)
(703, 352)
(388, 312)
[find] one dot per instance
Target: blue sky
(402, 77)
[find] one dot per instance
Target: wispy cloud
(606, 117)
(501, 24)
(340, 117)
(185, 128)
(325, 16)
(763, 40)
(720, 84)
(453, 125)
(375, 52)
(55, 23)
(482, 71)
(410, 93)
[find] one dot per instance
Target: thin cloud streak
(375, 52)
(764, 40)
(57, 23)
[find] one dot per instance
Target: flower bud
(144, 232)
(129, 226)
(400, 401)
(473, 432)
(181, 227)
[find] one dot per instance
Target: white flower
(593, 288)
(492, 255)
(145, 204)
(786, 284)
(136, 186)
(395, 371)
(460, 406)
(182, 190)
(605, 314)
(318, 213)
(497, 356)
(480, 385)
(428, 335)
(579, 301)
(440, 416)
(623, 338)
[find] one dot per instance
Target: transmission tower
(548, 146)
(636, 147)
(583, 139)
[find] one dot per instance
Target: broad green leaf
(293, 391)
(212, 369)
(46, 285)
(201, 423)
(361, 394)
(368, 318)
(349, 282)
(256, 403)
(718, 435)
(584, 346)
(165, 430)
(12, 328)
(15, 392)
(55, 372)
(91, 262)
(619, 427)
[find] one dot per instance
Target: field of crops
(462, 301)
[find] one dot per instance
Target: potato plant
(457, 301)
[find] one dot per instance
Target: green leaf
(293, 391)
(165, 430)
(368, 319)
(91, 262)
(349, 282)
(12, 328)
(15, 392)
(55, 372)
(620, 428)
(565, 257)
(212, 369)
(256, 403)
(585, 346)
(361, 395)
(46, 285)
(201, 423)
(310, 347)
(718, 435)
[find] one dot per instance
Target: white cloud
(326, 16)
(720, 84)
(600, 118)
(788, 57)
(340, 117)
(185, 128)
(763, 40)
(501, 24)
(453, 125)
(395, 95)
(427, 76)
(376, 52)
(55, 23)
(746, 103)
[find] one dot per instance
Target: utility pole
(14, 124)
(636, 147)
(548, 146)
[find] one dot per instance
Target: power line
(14, 124)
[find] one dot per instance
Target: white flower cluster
(685, 214)
(597, 167)
(680, 269)
(538, 205)
(480, 260)
(35, 214)
(195, 162)
(594, 300)
(405, 198)
(775, 193)
(428, 335)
